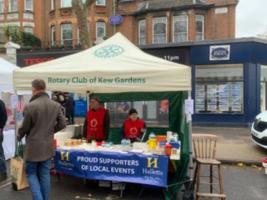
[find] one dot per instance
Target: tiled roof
(166, 4)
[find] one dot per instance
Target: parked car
(259, 130)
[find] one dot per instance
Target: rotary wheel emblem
(133, 131)
(109, 51)
(93, 123)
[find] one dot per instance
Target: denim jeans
(2, 155)
(38, 175)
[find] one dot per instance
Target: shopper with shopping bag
(17, 171)
(3, 120)
(42, 118)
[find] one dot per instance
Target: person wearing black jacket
(3, 120)
(69, 105)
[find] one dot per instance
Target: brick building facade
(144, 21)
(20, 13)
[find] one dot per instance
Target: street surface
(241, 183)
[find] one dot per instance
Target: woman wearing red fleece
(132, 126)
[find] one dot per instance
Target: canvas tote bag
(17, 171)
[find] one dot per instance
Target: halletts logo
(65, 156)
(109, 51)
(152, 163)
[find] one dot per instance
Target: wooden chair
(204, 146)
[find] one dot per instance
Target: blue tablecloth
(114, 166)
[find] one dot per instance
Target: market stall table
(129, 167)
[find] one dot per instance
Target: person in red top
(96, 126)
(132, 126)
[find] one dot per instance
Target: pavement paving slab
(234, 144)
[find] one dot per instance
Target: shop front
(229, 78)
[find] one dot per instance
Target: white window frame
(101, 4)
(159, 20)
(2, 3)
(177, 19)
(52, 2)
(61, 34)
(62, 4)
(52, 30)
(141, 23)
(100, 23)
(200, 18)
(10, 10)
(25, 5)
(29, 27)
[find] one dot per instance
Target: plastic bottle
(168, 149)
(152, 142)
(175, 151)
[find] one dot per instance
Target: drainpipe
(114, 13)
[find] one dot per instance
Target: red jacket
(95, 124)
(133, 129)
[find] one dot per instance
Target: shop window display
(154, 113)
(219, 89)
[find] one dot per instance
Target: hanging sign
(115, 19)
(220, 52)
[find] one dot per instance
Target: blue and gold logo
(65, 156)
(152, 163)
(109, 51)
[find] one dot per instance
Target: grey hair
(39, 84)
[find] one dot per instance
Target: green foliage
(22, 38)
(29, 39)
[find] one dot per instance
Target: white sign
(189, 106)
(220, 52)
(172, 58)
(14, 101)
(221, 10)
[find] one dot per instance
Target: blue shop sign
(220, 52)
(115, 19)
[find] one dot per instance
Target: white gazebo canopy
(116, 65)
(6, 75)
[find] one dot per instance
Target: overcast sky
(251, 17)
